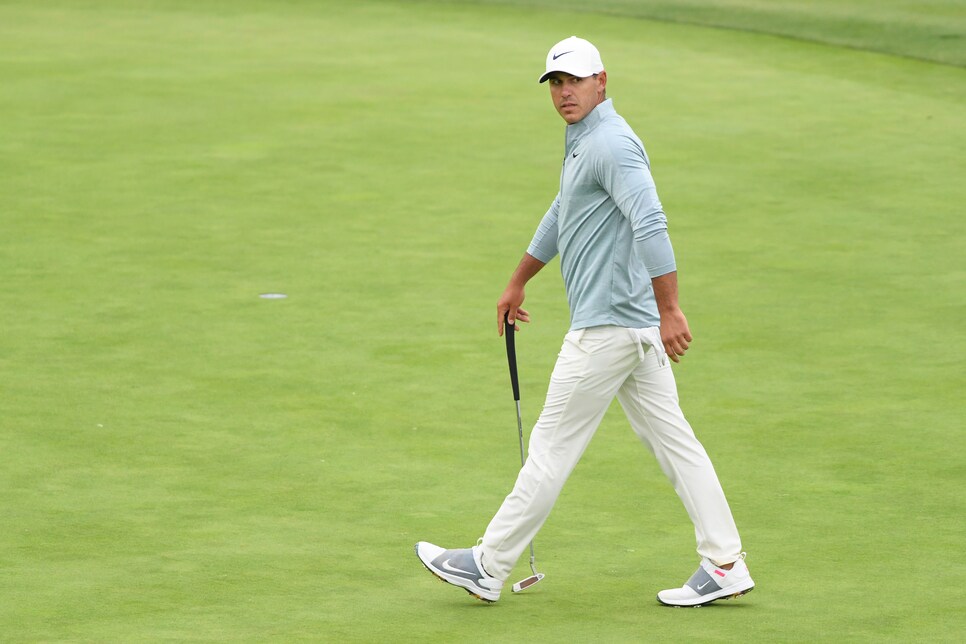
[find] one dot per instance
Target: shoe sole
(730, 595)
(451, 583)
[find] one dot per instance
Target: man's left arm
(627, 178)
(675, 333)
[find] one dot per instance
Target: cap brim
(579, 74)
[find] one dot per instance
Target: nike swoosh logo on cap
(556, 56)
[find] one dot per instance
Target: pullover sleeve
(624, 172)
(543, 246)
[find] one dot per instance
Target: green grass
(186, 461)
(933, 30)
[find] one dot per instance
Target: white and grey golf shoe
(461, 568)
(710, 583)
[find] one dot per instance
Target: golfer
(610, 231)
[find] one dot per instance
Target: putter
(511, 356)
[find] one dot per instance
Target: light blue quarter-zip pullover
(607, 224)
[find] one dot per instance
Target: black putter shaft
(511, 356)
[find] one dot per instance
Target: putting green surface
(184, 460)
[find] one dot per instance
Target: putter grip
(511, 355)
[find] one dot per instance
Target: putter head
(526, 583)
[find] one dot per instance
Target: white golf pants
(593, 366)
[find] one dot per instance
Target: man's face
(576, 97)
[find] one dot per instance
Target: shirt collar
(576, 130)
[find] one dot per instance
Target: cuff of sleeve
(657, 254)
(535, 252)
(661, 270)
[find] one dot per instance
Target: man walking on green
(610, 231)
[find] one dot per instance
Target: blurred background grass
(934, 30)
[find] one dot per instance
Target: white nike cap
(574, 56)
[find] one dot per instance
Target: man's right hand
(509, 308)
(513, 295)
